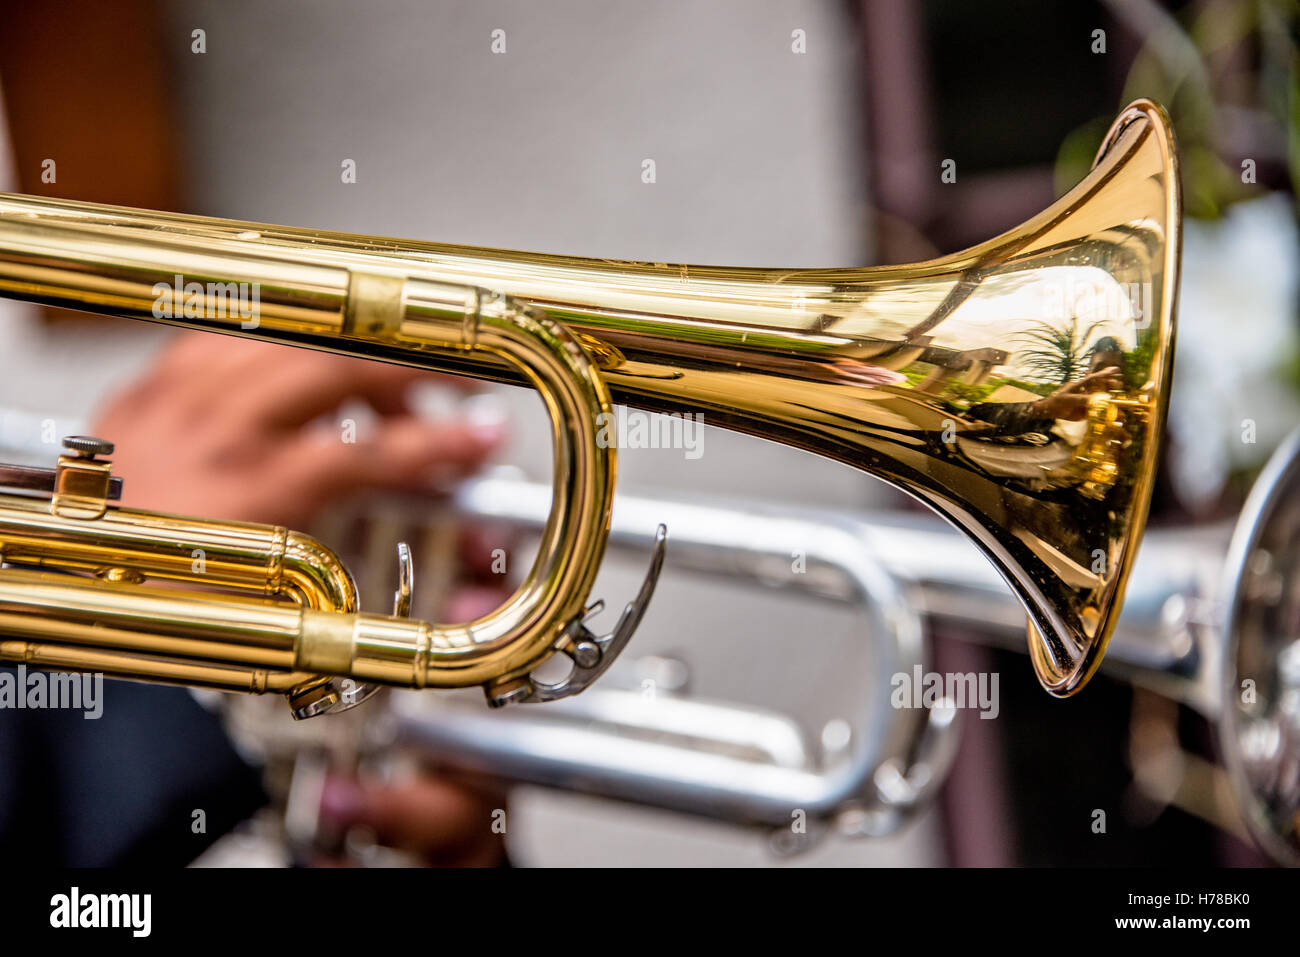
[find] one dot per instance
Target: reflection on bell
(1019, 388)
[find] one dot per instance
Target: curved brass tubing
(1019, 388)
(120, 626)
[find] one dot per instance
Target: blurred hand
(1070, 402)
(216, 428)
(441, 821)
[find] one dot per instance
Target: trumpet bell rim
(1266, 522)
(1064, 682)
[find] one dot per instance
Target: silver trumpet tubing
(1259, 624)
(864, 773)
(636, 735)
(1211, 621)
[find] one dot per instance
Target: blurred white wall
(757, 149)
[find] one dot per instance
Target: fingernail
(340, 800)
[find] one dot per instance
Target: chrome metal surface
(591, 655)
(1259, 718)
(711, 758)
(1182, 635)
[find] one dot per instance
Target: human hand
(1070, 402)
(217, 427)
(441, 821)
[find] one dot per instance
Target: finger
(1099, 375)
(199, 373)
(196, 357)
(432, 817)
(125, 405)
(403, 454)
(219, 370)
(272, 378)
(303, 385)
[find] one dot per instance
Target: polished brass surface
(306, 623)
(1019, 387)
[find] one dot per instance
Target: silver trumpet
(636, 735)
(1212, 621)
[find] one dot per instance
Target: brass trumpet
(1018, 388)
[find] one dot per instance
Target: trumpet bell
(1019, 388)
(1050, 353)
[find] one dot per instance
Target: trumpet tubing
(1018, 388)
(306, 627)
(1193, 629)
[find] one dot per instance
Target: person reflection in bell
(1043, 421)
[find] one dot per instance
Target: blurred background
(782, 134)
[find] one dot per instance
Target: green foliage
(959, 396)
(1137, 363)
(1058, 354)
(968, 395)
(1198, 62)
